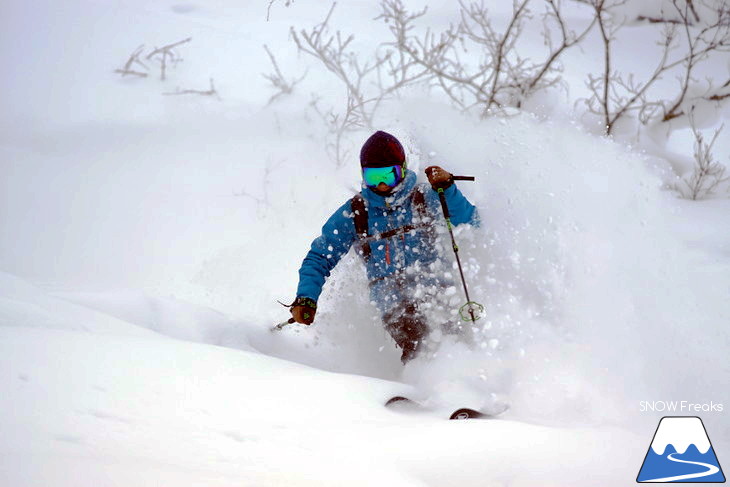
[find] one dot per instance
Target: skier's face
(383, 188)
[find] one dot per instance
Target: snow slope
(82, 407)
(151, 236)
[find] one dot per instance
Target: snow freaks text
(680, 407)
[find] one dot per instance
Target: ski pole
(473, 308)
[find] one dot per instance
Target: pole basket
(471, 311)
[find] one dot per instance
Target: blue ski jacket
(409, 250)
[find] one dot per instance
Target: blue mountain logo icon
(681, 452)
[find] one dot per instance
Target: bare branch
(271, 2)
(689, 7)
(277, 79)
(568, 39)
(263, 202)
(502, 77)
(599, 6)
(168, 48)
(708, 174)
(133, 60)
(209, 92)
(367, 83)
(165, 53)
(615, 96)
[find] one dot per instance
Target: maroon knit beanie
(381, 150)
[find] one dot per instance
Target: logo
(681, 452)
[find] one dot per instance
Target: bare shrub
(164, 56)
(367, 83)
(282, 85)
(615, 95)
(708, 173)
(480, 67)
(502, 77)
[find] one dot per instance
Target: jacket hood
(397, 197)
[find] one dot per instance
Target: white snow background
(146, 239)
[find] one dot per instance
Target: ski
(468, 413)
(403, 403)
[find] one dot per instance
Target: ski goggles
(390, 175)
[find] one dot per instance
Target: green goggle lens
(390, 175)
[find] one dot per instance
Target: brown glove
(303, 310)
(439, 178)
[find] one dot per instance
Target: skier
(392, 222)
